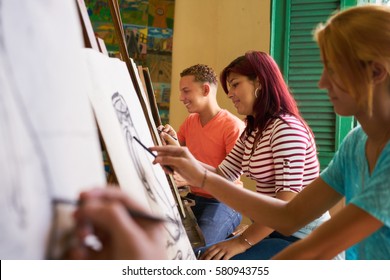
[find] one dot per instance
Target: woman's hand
(179, 180)
(181, 161)
(103, 217)
(225, 250)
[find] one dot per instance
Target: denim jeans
(216, 220)
(263, 250)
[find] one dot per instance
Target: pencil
(174, 138)
(150, 152)
(133, 213)
(143, 146)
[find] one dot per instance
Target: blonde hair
(350, 40)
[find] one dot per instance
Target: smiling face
(192, 94)
(241, 92)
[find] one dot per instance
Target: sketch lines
(144, 168)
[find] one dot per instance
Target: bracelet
(204, 179)
(246, 240)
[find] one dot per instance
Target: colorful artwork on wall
(148, 28)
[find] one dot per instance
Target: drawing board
(48, 138)
(120, 118)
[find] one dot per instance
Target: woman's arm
(280, 215)
(257, 232)
(254, 234)
(348, 227)
(285, 217)
(227, 249)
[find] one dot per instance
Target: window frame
(280, 51)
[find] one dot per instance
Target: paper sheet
(48, 138)
(120, 118)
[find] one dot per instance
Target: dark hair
(201, 72)
(275, 98)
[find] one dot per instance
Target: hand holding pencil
(105, 214)
(168, 135)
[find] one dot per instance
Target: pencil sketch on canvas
(128, 129)
(120, 117)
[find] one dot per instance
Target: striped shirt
(284, 159)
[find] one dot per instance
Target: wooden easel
(152, 97)
(118, 27)
(149, 107)
(86, 25)
(93, 42)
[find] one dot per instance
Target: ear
(257, 83)
(379, 72)
(206, 89)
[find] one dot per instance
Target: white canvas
(48, 138)
(120, 118)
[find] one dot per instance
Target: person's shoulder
(357, 134)
(291, 119)
(288, 126)
(189, 122)
(192, 117)
(353, 142)
(286, 122)
(230, 121)
(227, 115)
(357, 131)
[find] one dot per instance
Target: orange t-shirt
(210, 143)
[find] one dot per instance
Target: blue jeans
(216, 220)
(264, 250)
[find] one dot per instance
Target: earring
(257, 90)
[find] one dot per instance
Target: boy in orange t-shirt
(209, 132)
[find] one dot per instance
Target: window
(381, 2)
(298, 56)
